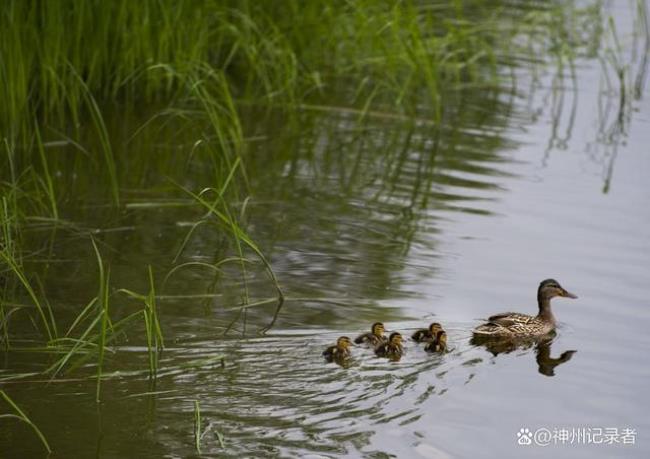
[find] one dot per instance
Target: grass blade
(197, 427)
(23, 417)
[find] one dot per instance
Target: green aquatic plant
(155, 341)
(100, 331)
(102, 135)
(220, 215)
(9, 256)
(197, 426)
(199, 432)
(153, 330)
(20, 415)
(104, 322)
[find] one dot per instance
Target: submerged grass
(14, 266)
(220, 215)
(104, 321)
(20, 415)
(153, 330)
(197, 426)
(199, 432)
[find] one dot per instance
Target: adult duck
(516, 325)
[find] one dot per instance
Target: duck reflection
(545, 363)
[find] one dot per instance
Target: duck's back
(330, 352)
(381, 350)
(369, 338)
(422, 335)
(334, 352)
(388, 350)
(435, 346)
(510, 318)
(514, 325)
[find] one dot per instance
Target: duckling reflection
(545, 363)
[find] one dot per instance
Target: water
(394, 221)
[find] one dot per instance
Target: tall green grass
(65, 54)
(104, 321)
(153, 330)
(12, 265)
(65, 64)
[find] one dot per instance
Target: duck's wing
(381, 350)
(508, 319)
(435, 346)
(491, 329)
(329, 352)
(363, 338)
(420, 335)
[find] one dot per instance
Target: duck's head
(550, 288)
(343, 342)
(377, 329)
(434, 328)
(395, 338)
(441, 337)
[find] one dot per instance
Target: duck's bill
(569, 294)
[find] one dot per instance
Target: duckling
(426, 335)
(516, 325)
(375, 337)
(392, 349)
(439, 344)
(340, 351)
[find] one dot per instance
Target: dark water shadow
(545, 363)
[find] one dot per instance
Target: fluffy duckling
(392, 349)
(515, 325)
(375, 337)
(340, 351)
(439, 344)
(425, 335)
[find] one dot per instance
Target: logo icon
(524, 436)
